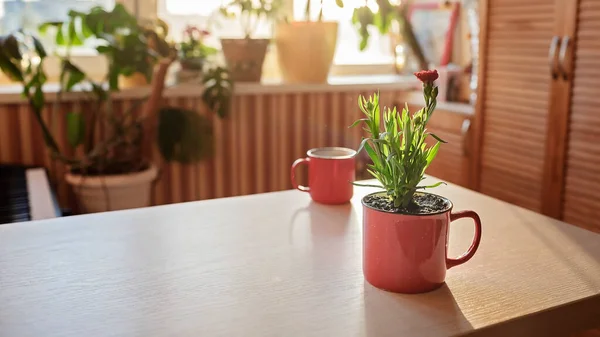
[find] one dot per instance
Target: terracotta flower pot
(136, 80)
(305, 50)
(113, 192)
(191, 70)
(408, 253)
(245, 58)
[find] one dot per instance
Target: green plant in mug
(398, 150)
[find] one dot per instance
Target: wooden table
(278, 265)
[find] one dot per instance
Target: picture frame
(434, 24)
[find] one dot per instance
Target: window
(179, 13)
(29, 14)
(347, 53)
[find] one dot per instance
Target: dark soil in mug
(422, 204)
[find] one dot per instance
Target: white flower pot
(113, 192)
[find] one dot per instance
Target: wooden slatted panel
(515, 108)
(254, 147)
(581, 202)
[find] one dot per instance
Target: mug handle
(476, 240)
(293, 174)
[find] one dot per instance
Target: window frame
(96, 66)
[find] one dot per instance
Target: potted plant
(305, 49)
(111, 170)
(193, 52)
(245, 57)
(132, 47)
(405, 230)
(388, 18)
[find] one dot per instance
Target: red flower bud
(427, 76)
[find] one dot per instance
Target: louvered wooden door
(514, 98)
(581, 193)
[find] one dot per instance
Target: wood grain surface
(278, 265)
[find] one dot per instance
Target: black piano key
(14, 197)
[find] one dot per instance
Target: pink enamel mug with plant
(405, 230)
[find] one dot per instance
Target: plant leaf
(432, 153)
(373, 155)
(340, 3)
(75, 128)
(438, 138)
(432, 186)
(357, 122)
(362, 144)
(184, 135)
(366, 185)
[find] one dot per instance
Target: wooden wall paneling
(254, 147)
(220, 148)
(6, 136)
(284, 125)
(261, 143)
(175, 169)
(207, 169)
(272, 150)
(515, 36)
(558, 119)
(25, 129)
(232, 153)
(581, 196)
(192, 172)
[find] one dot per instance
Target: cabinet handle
(552, 56)
(465, 132)
(562, 55)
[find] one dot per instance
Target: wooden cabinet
(514, 100)
(537, 126)
(581, 192)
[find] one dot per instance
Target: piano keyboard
(25, 194)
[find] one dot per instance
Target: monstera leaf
(218, 91)
(184, 136)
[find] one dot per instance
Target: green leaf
(366, 185)
(357, 122)
(38, 98)
(74, 75)
(43, 28)
(73, 36)
(362, 144)
(340, 3)
(184, 135)
(373, 155)
(85, 30)
(10, 47)
(432, 186)
(75, 128)
(60, 37)
(10, 69)
(39, 48)
(438, 138)
(432, 153)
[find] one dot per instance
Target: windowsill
(416, 98)
(11, 93)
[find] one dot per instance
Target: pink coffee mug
(331, 171)
(408, 253)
